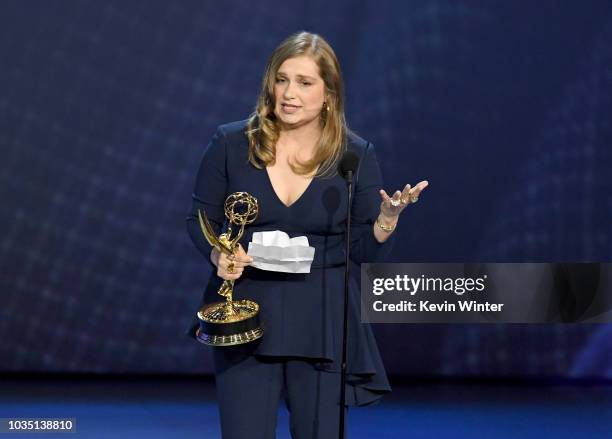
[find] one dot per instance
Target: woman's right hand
(222, 261)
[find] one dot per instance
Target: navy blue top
(301, 313)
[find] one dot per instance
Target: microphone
(346, 168)
(348, 165)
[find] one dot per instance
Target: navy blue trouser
(250, 388)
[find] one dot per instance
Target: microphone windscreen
(348, 162)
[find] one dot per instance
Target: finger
(237, 265)
(223, 273)
(236, 270)
(238, 261)
(405, 192)
(384, 196)
(396, 201)
(422, 185)
(240, 256)
(386, 199)
(243, 260)
(243, 254)
(416, 191)
(223, 260)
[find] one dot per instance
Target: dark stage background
(105, 108)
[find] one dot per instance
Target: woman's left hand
(392, 206)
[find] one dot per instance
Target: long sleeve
(209, 192)
(365, 210)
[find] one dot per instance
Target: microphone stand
(349, 183)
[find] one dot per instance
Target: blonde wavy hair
(263, 130)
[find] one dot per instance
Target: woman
(286, 155)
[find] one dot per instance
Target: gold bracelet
(384, 228)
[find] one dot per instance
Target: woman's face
(299, 92)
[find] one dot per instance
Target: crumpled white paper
(275, 251)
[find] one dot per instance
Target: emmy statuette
(231, 322)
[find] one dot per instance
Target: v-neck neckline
(276, 193)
